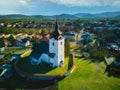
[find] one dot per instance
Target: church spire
(56, 33)
(56, 25)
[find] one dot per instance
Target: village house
(5, 72)
(71, 35)
(85, 38)
(2, 24)
(3, 47)
(22, 42)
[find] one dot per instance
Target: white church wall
(61, 51)
(58, 49)
(53, 48)
(52, 62)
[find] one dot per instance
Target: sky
(55, 7)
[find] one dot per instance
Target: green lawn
(89, 76)
(17, 50)
(62, 69)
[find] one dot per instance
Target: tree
(11, 39)
(42, 31)
(99, 53)
(2, 43)
(67, 47)
(1, 30)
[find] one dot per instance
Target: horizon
(57, 7)
(58, 14)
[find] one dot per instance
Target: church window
(61, 43)
(53, 43)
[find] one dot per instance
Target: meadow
(89, 75)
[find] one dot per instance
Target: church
(51, 51)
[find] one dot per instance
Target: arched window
(61, 43)
(53, 43)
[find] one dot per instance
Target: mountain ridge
(77, 15)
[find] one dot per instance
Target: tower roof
(56, 33)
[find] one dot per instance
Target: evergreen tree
(2, 43)
(42, 31)
(67, 47)
(1, 30)
(11, 39)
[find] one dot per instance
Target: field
(25, 20)
(89, 75)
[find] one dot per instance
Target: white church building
(51, 52)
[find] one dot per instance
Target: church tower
(56, 46)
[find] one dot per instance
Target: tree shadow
(113, 70)
(17, 82)
(91, 60)
(70, 62)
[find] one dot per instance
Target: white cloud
(85, 3)
(12, 6)
(15, 6)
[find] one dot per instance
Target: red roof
(46, 37)
(39, 36)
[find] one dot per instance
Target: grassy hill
(89, 76)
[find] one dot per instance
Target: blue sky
(53, 7)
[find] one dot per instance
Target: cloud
(12, 6)
(86, 3)
(18, 6)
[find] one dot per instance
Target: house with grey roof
(71, 35)
(22, 42)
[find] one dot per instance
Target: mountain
(37, 16)
(118, 16)
(108, 14)
(78, 15)
(64, 16)
(14, 16)
(84, 15)
(100, 15)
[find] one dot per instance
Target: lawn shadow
(17, 82)
(70, 62)
(25, 65)
(112, 70)
(93, 60)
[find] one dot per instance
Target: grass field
(60, 70)
(89, 76)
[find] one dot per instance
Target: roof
(40, 48)
(24, 40)
(51, 55)
(67, 34)
(70, 33)
(15, 55)
(56, 33)
(109, 60)
(85, 35)
(2, 56)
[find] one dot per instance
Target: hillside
(77, 15)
